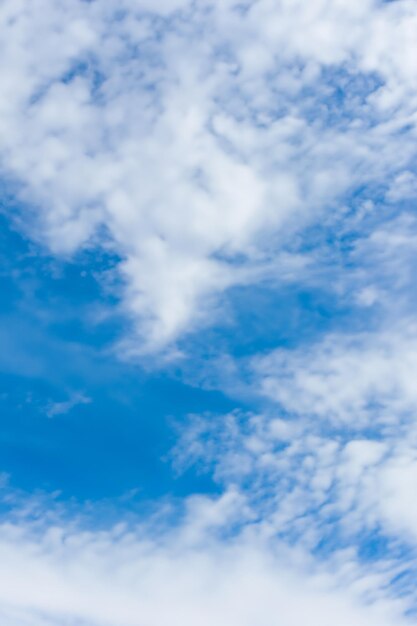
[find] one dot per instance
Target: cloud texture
(213, 149)
(196, 167)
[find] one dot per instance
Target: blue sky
(208, 330)
(75, 418)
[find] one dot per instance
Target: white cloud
(63, 575)
(354, 379)
(327, 493)
(196, 141)
(197, 134)
(403, 187)
(60, 408)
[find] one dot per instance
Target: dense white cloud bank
(60, 574)
(196, 138)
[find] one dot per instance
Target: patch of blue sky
(339, 98)
(265, 317)
(56, 344)
(280, 312)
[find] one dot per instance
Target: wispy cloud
(60, 408)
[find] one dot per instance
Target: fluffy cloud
(59, 573)
(345, 497)
(355, 379)
(347, 455)
(203, 144)
(195, 139)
